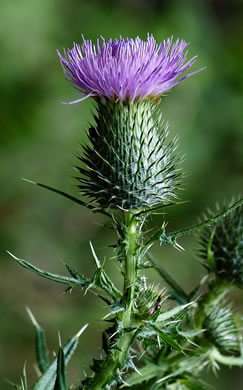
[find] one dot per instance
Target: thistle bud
(149, 302)
(222, 331)
(222, 247)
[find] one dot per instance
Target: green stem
(117, 356)
(226, 360)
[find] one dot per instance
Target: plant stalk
(117, 356)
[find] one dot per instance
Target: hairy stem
(117, 356)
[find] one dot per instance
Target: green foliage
(169, 338)
(61, 383)
(41, 347)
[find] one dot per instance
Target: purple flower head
(126, 68)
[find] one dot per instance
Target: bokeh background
(39, 137)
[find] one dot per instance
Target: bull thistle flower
(127, 164)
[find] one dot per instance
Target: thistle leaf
(147, 372)
(24, 383)
(67, 196)
(41, 348)
(171, 237)
(167, 339)
(48, 379)
(178, 293)
(61, 383)
(191, 333)
(71, 282)
(173, 312)
(191, 385)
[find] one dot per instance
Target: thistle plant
(156, 337)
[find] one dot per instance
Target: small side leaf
(170, 238)
(167, 339)
(191, 385)
(61, 382)
(191, 333)
(24, 383)
(178, 293)
(173, 312)
(71, 282)
(48, 379)
(146, 373)
(41, 348)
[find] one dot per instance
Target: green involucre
(127, 163)
(222, 247)
(222, 331)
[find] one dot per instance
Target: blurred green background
(39, 137)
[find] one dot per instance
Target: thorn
(24, 368)
(113, 335)
(32, 318)
(28, 181)
(107, 315)
(9, 382)
(137, 370)
(37, 370)
(59, 339)
(81, 331)
(15, 258)
(97, 262)
(179, 247)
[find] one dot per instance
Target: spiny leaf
(178, 292)
(173, 312)
(147, 372)
(191, 364)
(171, 237)
(41, 348)
(191, 333)
(167, 339)
(24, 383)
(70, 197)
(61, 383)
(191, 385)
(48, 379)
(48, 275)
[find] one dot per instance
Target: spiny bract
(127, 163)
(222, 331)
(222, 247)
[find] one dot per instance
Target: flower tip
(124, 67)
